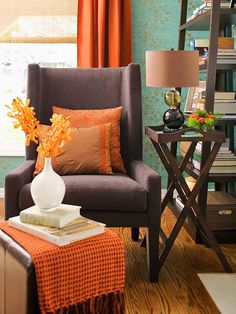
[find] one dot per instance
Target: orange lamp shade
(173, 68)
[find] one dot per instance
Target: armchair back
(93, 88)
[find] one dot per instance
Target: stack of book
(225, 102)
(205, 6)
(225, 161)
(61, 226)
(226, 54)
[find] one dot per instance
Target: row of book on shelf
(60, 226)
(226, 54)
(225, 102)
(225, 161)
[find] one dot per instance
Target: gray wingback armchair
(119, 200)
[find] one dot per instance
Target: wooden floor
(179, 289)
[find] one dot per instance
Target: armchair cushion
(98, 192)
(88, 118)
(88, 152)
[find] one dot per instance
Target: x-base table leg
(188, 197)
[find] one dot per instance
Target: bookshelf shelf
(217, 21)
(202, 21)
(213, 177)
(220, 67)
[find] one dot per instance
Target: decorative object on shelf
(47, 188)
(172, 69)
(201, 119)
(193, 96)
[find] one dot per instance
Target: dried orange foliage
(25, 118)
(57, 135)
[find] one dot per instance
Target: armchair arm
(150, 180)
(14, 181)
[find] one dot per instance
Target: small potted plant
(201, 119)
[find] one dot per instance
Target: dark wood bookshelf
(218, 22)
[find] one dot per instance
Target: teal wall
(155, 27)
(6, 165)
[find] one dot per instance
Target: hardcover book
(55, 218)
(223, 168)
(224, 95)
(80, 228)
(223, 43)
(225, 107)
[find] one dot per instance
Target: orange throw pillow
(92, 117)
(88, 152)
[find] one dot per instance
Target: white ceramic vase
(47, 188)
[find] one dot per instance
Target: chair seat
(101, 192)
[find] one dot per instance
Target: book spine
(224, 96)
(196, 164)
(199, 43)
(197, 156)
(225, 107)
(35, 219)
(41, 235)
(224, 43)
(179, 202)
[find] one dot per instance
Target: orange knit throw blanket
(75, 274)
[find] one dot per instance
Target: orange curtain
(104, 33)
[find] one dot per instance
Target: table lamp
(173, 68)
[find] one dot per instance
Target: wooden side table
(212, 140)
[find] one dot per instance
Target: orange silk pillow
(88, 152)
(89, 118)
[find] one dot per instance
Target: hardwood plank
(179, 289)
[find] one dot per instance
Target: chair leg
(135, 233)
(152, 241)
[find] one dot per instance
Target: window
(43, 34)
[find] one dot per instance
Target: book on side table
(78, 229)
(54, 218)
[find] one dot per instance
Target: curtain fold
(104, 33)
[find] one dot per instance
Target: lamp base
(173, 119)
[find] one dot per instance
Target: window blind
(38, 21)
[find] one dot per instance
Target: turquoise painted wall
(155, 27)
(7, 164)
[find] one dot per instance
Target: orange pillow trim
(88, 118)
(88, 152)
